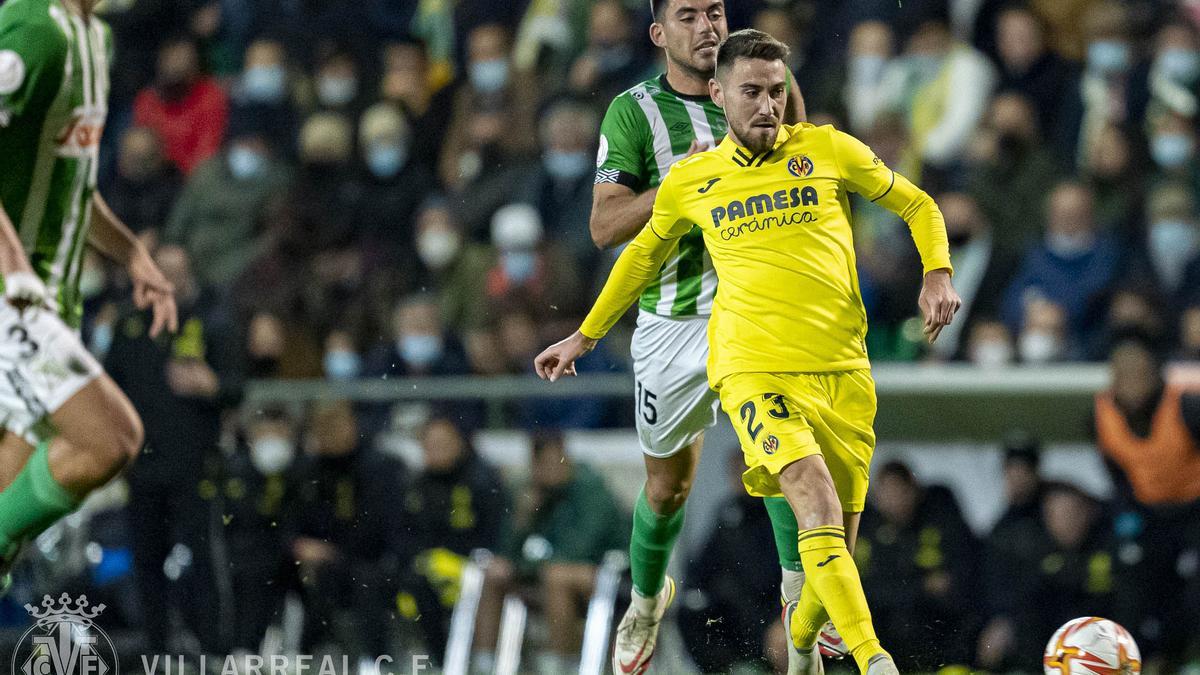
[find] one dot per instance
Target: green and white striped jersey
(646, 130)
(54, 82)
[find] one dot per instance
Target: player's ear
(715, 93)
(656, 35)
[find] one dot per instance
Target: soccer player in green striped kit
(647, 129)
(67, 428)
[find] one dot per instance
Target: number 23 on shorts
(772, 403)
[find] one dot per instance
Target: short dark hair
(749, 44)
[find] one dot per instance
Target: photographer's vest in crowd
(1164, 467)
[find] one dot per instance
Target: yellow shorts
(782, 418)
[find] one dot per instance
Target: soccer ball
(1090, 645)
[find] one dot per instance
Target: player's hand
(559, 358)
(938, 302)
(24, 289)
(696, 147)
(152, 290)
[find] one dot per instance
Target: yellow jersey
(777, 226)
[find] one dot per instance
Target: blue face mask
(385, 161)
(1108, 57)
(245, 163)
(926, 66)
(264, 84)
(566, 165)
(489, 76)
(1171, 151)
(867, 68)
(1180, 65)
(102, 339)
(519, 266)
(342, 365)
(336, 91)
(420, 351)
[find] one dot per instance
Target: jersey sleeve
(638, 264)
(32, 56)
(623, 136)
(867, 175)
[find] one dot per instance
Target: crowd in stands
(390, 188)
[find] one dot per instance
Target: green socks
(34, 501)
(650, 546)
(783, 524)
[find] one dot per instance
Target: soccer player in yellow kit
(787, 335)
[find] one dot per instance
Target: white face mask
(271, 454)
(992, 354)
(1070, 245)
(1172, 244)
(438, 248)
(1039, 347)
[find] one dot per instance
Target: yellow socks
(831, 580)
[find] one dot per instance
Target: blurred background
(376, 213)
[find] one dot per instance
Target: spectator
(456, 504)
(915, 554)
(218, 214)
(1173, 235)
(452, 265)
(1014, 546)
(342, 360)
(1173, 150)
(612, 60)
(1044, 336)
(336, 81)
(394, 187)
(1108, 171)
(530, 268)
(942, 88)
(345, 533)
(1113, 87)
(1175, 71)
(265, 90)
(1011, 171)
(256, 494)
(1149, 434)
(871, 51)
(561, 188)
(1074, 264)
(421, 345)
(981, 271)
(145, 187)
(990, 345)
(186, 108)
(1027, 66)
(563, 523)
(181, 387)
(325, 193)
(731, 585)
(1132, 307)
(408, 82)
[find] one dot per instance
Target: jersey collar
(666, 86)
(743, 157)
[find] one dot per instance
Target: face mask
(1172, 244)
(1069, 245)
(1171, 151)
(102, 339)
(245, 163)
(420, 351)
(489, 76)
(867, 68)
(271, 455)
(1039, 347)
(437, 249)
(519, 266)
(1180, 65)
(1108, 57)
(91, 282)
(566, 165)
(925, 65)
(342, 365)
(992, 354)
(385, 161)
(959, 238)
(336, 91)
(173, 88)
(264, 84)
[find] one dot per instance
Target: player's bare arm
(150, 288)
(938, 302)
(619, 213)
(22, 287)
(794, 111)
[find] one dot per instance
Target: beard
(757, 139)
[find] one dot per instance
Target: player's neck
(81, 7)
(686, 81)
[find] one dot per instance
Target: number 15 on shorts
(645, 404)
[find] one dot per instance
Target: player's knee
(811, 491)
(667, 494)
(123, 442)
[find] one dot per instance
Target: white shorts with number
(43, 363)
(674, 404)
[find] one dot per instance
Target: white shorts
(43, 363)
(673, 403)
